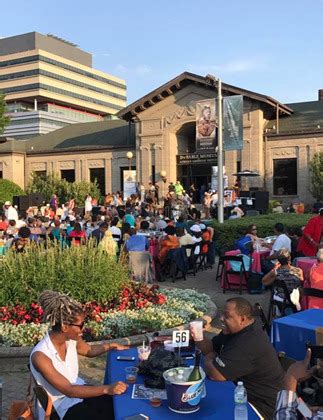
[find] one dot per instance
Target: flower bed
(139, 309)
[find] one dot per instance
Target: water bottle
(240, 402)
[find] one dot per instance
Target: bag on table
(245, 245)
(157, 363)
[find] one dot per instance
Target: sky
(273, 48)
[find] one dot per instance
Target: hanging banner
(129, 183)
(233, 122)
(205, 125)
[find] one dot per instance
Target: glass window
(1, 174)
(68, 175)
(40, 174)
(98, 175)
(285, 176)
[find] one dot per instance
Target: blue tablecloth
(291, 333)
(218, 403)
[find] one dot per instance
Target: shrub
(85, 272)
(51, 184)
(227, 233)
(8, 189)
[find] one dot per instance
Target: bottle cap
(240, 383)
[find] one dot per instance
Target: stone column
(145, 164)
(85, 170)
(78, 176)
(108, 175)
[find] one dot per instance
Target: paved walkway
(15, 374)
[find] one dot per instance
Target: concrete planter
(135, 340)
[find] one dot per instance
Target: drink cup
(143, 352)
(131, 374)
(197, 330)
(155, 402)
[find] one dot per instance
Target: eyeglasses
(81, 326)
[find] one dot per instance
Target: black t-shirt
(249, 356)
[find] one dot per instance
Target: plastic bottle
(240, 402)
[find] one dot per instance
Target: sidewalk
(15, 374)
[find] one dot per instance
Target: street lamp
(216, 83)
(163, 175)
(129, 156)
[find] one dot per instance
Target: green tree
(8, 189)
(51, 184)
(316, 170)
(4, 119)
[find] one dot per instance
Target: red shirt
(313, 229)
(4, 225)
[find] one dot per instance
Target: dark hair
(115, 221)
(180, 231)
(249, 228)
(77, 227)
(283, 256)
(279, 227)
(104, 225)
(144, 225)
(170, 230)
(24, 232)
(242, 306)
(126, 228)
(59, 308)
(298, 232)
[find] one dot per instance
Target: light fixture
(129, 156)
(163, 175)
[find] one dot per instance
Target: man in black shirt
(99, 233)
(243, 352)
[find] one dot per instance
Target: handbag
(20, 409)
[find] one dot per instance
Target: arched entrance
(192, 167)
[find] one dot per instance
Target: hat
(196, 228)
(7, 203)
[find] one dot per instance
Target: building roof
(109, 134)
(307, 118)
(183, 80)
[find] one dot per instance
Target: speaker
(262, 201)
(36, 199)
(22, 201)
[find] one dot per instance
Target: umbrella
(246, 173)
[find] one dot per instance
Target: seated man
(138, 243)
(282, 241)
(243, 352)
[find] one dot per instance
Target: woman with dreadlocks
(54, 363)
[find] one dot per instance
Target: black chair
(283, 306)
(258, 311)
(45, 402)
(312, 292)
(192, 259)
(202, 256)
(220, 269)
(177, 262)
(317, 352)
(243, 273)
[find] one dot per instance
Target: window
(40, 174)
(1, 174)
(285, 176)
(98, 175)
(68, 175)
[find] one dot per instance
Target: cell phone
(126, 358)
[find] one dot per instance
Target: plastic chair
(192, 259)
(258, 311)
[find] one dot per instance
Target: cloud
(234, 66)
(139, 70)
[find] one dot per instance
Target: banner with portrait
(129, 183)
(233, 122)
(205, 125)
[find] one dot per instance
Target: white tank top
(68, 368)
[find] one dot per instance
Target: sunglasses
(81, 326)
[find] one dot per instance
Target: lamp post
(129, 156)
(211, 80)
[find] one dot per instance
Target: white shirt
(196, 240)
(11, 213)
(88, 204)
(68, 368)
(282, 241)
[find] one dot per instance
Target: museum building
(279, 140)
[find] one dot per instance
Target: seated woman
(77, 235)
(54, 363)
(170, 241)
(252, 233)
(283, 270)
(316, 281)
